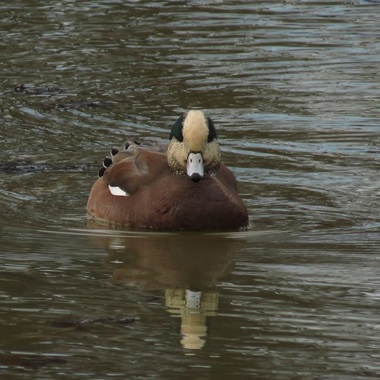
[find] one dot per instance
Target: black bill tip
(195, 177)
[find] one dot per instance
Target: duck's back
(155, 197)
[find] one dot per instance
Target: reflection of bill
(187, 265)
(193, 307)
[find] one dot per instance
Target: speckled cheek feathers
(212, 156)
(177, 156)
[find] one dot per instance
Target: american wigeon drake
(179, 186)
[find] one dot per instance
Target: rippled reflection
(186, 266)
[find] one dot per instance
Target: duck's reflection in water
(193, 306)
(187, 266)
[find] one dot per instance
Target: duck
(180, 185)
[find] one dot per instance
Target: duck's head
(193, 148)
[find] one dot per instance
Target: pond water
(293, 89)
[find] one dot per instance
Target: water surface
(293, 88)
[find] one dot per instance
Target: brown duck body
(158, 198)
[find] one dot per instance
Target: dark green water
(293, 88)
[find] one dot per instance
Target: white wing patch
(115, 190)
